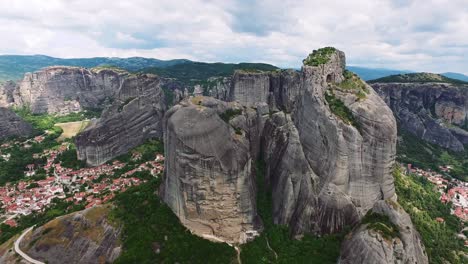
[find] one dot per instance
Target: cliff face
(82, 237)
(328, 171)
(6, 93)
(327, 139)
(373, 242)
(208, 167)
(66, 89)
(134, 116)
(13, 125)
(435, 112)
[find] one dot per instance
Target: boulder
(372, 243)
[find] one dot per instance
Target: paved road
(21, 253)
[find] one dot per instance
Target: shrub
(230, 114)
(382, 224)
(319, 57)
(341, 110)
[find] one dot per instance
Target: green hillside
(193, 72)
(417, 78)
(13, 67)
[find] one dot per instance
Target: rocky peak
(328, 157)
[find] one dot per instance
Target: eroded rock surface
(61, 90)
(325, 172)
(208, 167)
(367, 244)
(86, 237)
(13, 125)
(134, 117)
(435, 112)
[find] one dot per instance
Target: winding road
(21, 253)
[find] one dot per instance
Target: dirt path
(271, 249)
(21, 253)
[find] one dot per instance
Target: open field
(71, 129)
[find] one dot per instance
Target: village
(87, 186)
(450, 189)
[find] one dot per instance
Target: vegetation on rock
(230, 114)
(340, 110)
(353, 83)
(319, 57)
(382, 224)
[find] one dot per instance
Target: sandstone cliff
(208, 167)
(134, 116)
(389, 237)
(13, 125)
(86, 237)
(63, 89)
(435, 112)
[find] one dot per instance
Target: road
(21, 253)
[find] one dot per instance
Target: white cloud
(423, 35)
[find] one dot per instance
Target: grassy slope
(424, 155)
(419, 199)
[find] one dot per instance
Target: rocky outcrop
(134, 117)
(6, 93)
(12, 125)
(328, 161)
(86, 237)
(208, 166)
(61, 90)
(328, 171)
(435, 112)
(393, 240)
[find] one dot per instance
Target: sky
(420, 35)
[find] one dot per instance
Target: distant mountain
(417, 78)
(374, 73)
(455, 75)
(13, 67)
(192, 72)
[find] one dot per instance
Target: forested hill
(13, 67)
(196, 71)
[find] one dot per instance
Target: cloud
(422, 35)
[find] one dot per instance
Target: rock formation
(13, 125)
(208, 167)
(6, 93)
(83, 237)
(67, 89)
(135, 116)
(377, 243)
(435, 112)
(327, 139)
